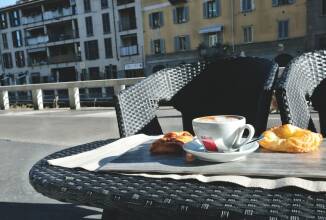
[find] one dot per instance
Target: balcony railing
(37, 40)
(57, 13)
(54, 37)
(32, 62)
(129, 51)
(126, 25)
(65, 58)
(32, 19)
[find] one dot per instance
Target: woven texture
(297, 84)
(161, 198)
(136, 106)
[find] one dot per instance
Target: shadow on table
(36, 211)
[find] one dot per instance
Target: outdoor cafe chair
(303, 80)
(236, 85)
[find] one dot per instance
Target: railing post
(118, 88)
(37, 99)
(74, 99)
(4, 100)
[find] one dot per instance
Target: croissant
(291, 139)
(171, 143)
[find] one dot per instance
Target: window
(108, 48)
(94, 73)
(181, 15)
(14, 18)
(7, 60)
(4, 41)
(276, 3)
(106, 23)
(20, 58)
(104, 4)
(247, 5)
(182, 43)
(283, 29)
(91, 50)
(111, 72)
(3, 21)
(323, 11)
(89, 26)
(87, 5)
(247, 34)
(156, 20)
(158, 46)
(17, 39)
(214, 39)
(322, 43)
(211, 8)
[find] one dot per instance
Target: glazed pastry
(171, 143)
(291, 139)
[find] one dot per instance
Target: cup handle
(251, 130)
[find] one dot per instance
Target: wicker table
(146, 198)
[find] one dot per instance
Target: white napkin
(91, 160)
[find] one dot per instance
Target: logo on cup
(209, 143)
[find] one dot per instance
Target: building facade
(181, 31)
(316, 15)
(66, 40)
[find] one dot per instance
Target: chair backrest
(238, 85)
(298, 82)
(136, 106)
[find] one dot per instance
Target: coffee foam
(221, 119)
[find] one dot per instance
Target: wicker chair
(136, 106)
(302, 82)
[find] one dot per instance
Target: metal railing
(129, 51)
(72, 87)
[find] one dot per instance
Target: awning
(211, 29)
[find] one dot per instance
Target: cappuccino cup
(222, 133)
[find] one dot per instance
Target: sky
(4, 3)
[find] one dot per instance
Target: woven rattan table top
(164, 197)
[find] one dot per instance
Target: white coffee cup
(222, 133)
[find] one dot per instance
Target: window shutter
(274, 3)
(286, 28)
(241, 5)
(253, 6)
(205, 9)
(176, 43)
(152, 47)
(161, 19)
(174, 15)
(218, 7)
(186, 11)
(187, 37)
(150, 19)
(162, 44)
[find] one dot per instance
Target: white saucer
(198, 150)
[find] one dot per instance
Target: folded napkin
(94, 159)
(102, 159)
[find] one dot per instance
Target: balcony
(127, 25)
(124, 2)
(32, 19)
(37, 40)
(62, 12)
(129, 51)
(62, 36)
(65, 58)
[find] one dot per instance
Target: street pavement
(27, 136)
